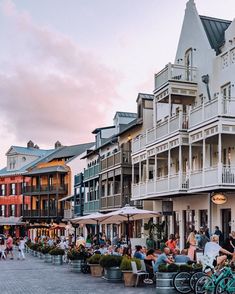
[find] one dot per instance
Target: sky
(66, 66)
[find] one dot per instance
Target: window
(12, 212)
(3, 190)
(188, 60)
(2, 210)
(13, 189)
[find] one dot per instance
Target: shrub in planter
(111, 264)
(162, 268)
(46, 249)
(126, 268)
(185, 268)
(56, 251)
(94, 263)
(77, 253)
(107, 261)
(172, 268)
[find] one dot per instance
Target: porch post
(219, 159)
(169, 166)
(180, 168)
(203, 160)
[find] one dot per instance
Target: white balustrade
(162, 129)
(151, 136)
(228, 175)
(211, 176)
(162, 184)
(135, 191)
(174, 182)
(143, 189)
(150, 187)
(195, 179)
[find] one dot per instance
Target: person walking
(3, 249)
(9, 245)
(191, 241)
(21, 248)
(171, 243)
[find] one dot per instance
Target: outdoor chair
(138, 273)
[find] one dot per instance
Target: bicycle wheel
(223, 286)
(204, 285)
(194, 278)
(181, 282)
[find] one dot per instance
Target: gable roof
(145, 96)
(126, 114)
(28, 151)
(70, 152)
(215, 29)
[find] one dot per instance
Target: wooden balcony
(91, 172)
(111, 202)
(42, 213)
(176, 82)
(91, 206)
(121, 157)
(45, 189)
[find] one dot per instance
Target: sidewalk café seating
(138, 273)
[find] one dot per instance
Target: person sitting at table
(163, 259)
(139, 252)
(181, 257)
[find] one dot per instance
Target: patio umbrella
(127, 213)
(90, 219)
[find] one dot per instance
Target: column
(180, 168)
(169, 114)
(190, 160)
(219, 158)
(203, 160)
(155, 175)
(169, 166)
(181, 229)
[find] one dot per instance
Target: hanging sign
(219, 198)
(167, 207)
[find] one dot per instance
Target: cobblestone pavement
(34, 276)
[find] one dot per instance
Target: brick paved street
(33, 276)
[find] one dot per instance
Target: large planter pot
(164, 283)
(57, 259)
(113, 274)
(48, 258)
(96, 270)
(76, 266)
(129, 278)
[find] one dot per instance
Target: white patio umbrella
(90, 219)
(127, 213)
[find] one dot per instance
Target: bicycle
(184, 282)
(207, 284)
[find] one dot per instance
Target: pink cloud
(52, 88)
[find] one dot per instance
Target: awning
(11, 221)
(66, 198)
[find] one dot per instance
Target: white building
(189, 152)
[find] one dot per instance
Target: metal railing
(46, 188)
(91, 172)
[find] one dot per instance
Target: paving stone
(34, 276)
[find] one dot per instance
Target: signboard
(167, 207)
(219, 198)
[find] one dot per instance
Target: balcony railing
(211, 109)
(78, 179)
(46, 189)
(41, 213)
(68, 213)
(164, 128)
(91, 206)
(121, 157)
(110, 202)
(198, 180)
(91, 172)
(175, 72)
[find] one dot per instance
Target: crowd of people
(215, 250)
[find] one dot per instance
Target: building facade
(188, 154)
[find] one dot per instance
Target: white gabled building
(189, 153)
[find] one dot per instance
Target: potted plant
(111, 265)
(164, 278)
(57, 254)
(77, 256)
(94, 263)
(45, 250)
(128, 276)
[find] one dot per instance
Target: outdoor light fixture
(218, 198)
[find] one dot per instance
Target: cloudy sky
(66, 66)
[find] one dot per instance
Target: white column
(181, 229)
(180, 167)
(155, 175)
(219, 159)
(190, 160)
(203, 160)
(169, 114)
(169, 166)
(147, 168)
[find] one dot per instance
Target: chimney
(58, 144)
(30, 144)
(36, 146)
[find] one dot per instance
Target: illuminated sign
(219, 198)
